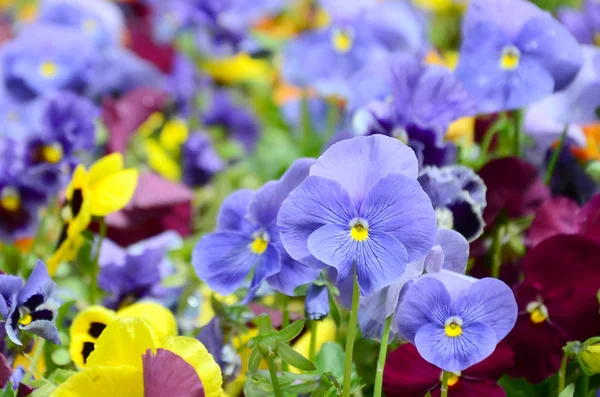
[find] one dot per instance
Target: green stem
(496, 252)
(518, 123)
(382, 356)
(285, 321)
(313, 341)
(583, 385)
(37, 354)
(274, 379)
(444, 388)
(350, 337)
(562, 372)
(489, 138)
(555, 156)
(95, 268)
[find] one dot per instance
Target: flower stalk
(382, 356)
(352, 325)
(444, 388)
(95, 267)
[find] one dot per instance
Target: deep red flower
(561, 215)
(557, 303)
(407, 374)
(125, 115)
(157, 205)
(513, 186)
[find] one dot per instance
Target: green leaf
(568, 391)
(294, 358)
(8, 392)
(330, 359)
(254, 361)
(291, 331)
(302, 388)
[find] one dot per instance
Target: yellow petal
(105, 167)
(124, 342)
(79, 180)
(195, 354)
(87, 321)
(237, 69)
(160, 161)
(112, 194)
(159, 317)
(118, 381)
(174, 134)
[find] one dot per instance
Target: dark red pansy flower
(407, 374)
(513, 186)
(557, 303)
(157, 205)
(561, 215)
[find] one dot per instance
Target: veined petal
(102, 381)
(45, 329)
(9, 287)
(105, 167)
(223, 260)
(233, 211)
(397, 204)
(267, 264)
(168, 374)
(112, 193)
(292, 274)
(477, 342)
(38, 287)
(333, 245)
(456, 250)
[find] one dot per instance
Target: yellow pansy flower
(239, 68)
(123, 364)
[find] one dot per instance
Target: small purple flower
(456, 321)
(316, 304)
(458, 197)
(514, 54)
(30, 307)
(360, 210)
(200, 160)
(247, 237)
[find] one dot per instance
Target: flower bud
(589, 356)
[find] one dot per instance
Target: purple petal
(360, 162)
(39, 286)
(332, 245)
(9, 288)
(233, 211)
(317, 302)
(316, 202)
(575, 21)
(477, 342)
(292, 275)
(427, 301)
(398, 205)
(43, 328)
(455, 283)
(434, 260)
(455, 248)
(167, 374)
(489, 301)
(510, 15)
(223, 260)
(267, 264)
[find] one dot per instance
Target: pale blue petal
(332, 245)
(233, 211)
(455, 248)
(267, 264)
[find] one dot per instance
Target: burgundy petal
(493, 367)
(5, 371)
(589, 219)
(167, 374)
(407, 374)
(556, 216)
(472, 388)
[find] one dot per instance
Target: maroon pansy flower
(513, 186)
(557, 303)
(407, 374)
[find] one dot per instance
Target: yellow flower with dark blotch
(129, 358)
(238, 69)
(90, 323)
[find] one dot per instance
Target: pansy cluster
(299, 198)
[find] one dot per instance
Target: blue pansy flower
(458, 197)
(360, 210)
(44, 59)
(99, 20)
(514, 54)
(31, 306)
(247, 238)
(456, 321)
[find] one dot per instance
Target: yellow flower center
(597, 38)
(52, 153)
(342, 40)
(9, 199)
(538, 312)
(48, 69)
(26, 320)
(453, 379)
(260, 243)
(510, 57)
(453, 327)
(359, 230)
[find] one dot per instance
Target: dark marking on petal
(88, 348)
(96, 329)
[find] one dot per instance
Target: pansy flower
(247, 238)
(514, 54)
(29, 307)
(407, 374)
(584, 24)
(413, 102)
(456, 321)
(41, 61)
(200, 160)
(458, 197)
(131, 359)
(557, 303)
(91, 322)
(360, 210)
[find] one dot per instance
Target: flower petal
(333, 245)
(407, 374)
(477, 342)
(38, 288)
(456, 250)
(118, 380)
(397, 204)
(105, 167)
(292, 274)
(113, 193)
(267, 264)
(168, 374)
(233, 211)
(360, 162)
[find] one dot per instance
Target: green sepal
(291, 331)
(294, 358)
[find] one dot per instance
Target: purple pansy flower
(584, 24)
(360, 210)
(247, 237)
(316, 305)
(458, 197)
(413, 102)
(200, 160)
(456, 321)
(31, 306)
(514, 54)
